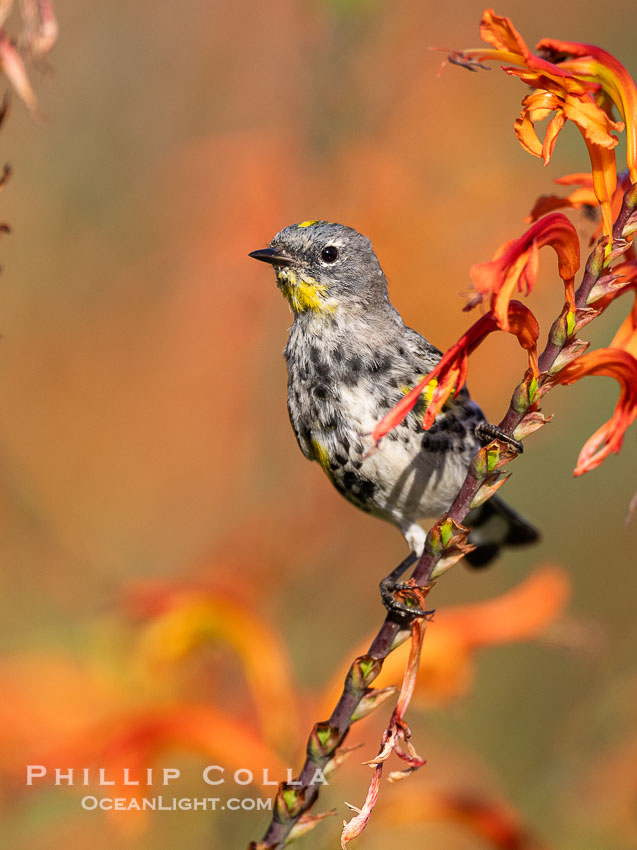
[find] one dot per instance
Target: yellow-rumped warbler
(350, 359)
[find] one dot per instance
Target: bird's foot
(485, 433)
(403, 599)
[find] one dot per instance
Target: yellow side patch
(322, 456)
(308, 223)
(303, 293)
(426, 394)
(428, 391)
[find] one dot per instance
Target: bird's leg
(391, 585)
(485, 433)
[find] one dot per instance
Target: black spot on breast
(321, 391)
(351, 374)
(441, 424)
(380, 365)
(440, 444)
(357, 464)
(349, 479)
(337, 354)
(323, 370)
(366, 489)
(340, 460)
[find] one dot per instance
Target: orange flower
(509, 45)
(604, 181)
(596, 65)
(579, 107)
(626, 337)
(450, 374)
(582, 196)
(516, 263)
(182, 618)
(580, 89)
(615, 362)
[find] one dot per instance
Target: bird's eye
(329, 254)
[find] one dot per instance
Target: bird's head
(322, 267)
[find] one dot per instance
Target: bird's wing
(423, 356)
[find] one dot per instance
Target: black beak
(272, 256)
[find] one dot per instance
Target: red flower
(581, 88)
(596, 65)
(516, 263)
(615, 362)
(582, 196)
(450, 374)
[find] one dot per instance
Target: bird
(350, 358)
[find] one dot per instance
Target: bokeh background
(145, 452)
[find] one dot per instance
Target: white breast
(412, 483)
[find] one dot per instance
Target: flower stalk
(580, 88)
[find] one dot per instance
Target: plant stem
(293, 801)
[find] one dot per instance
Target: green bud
(446, 532)
(288, 803)
(323, 740)
(520, 400)
(493, 456)
(559, 331)
(363, 671)
(479, 464)
(595, 264)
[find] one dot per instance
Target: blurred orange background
(143, 427)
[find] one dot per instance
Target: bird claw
(390, 586)
(486, 432)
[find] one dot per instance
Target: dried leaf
(489, 486)
(306, 823)
(533, 421)
(13, 66)
(354, 827)
(372, 700)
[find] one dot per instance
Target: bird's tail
(495, 525)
